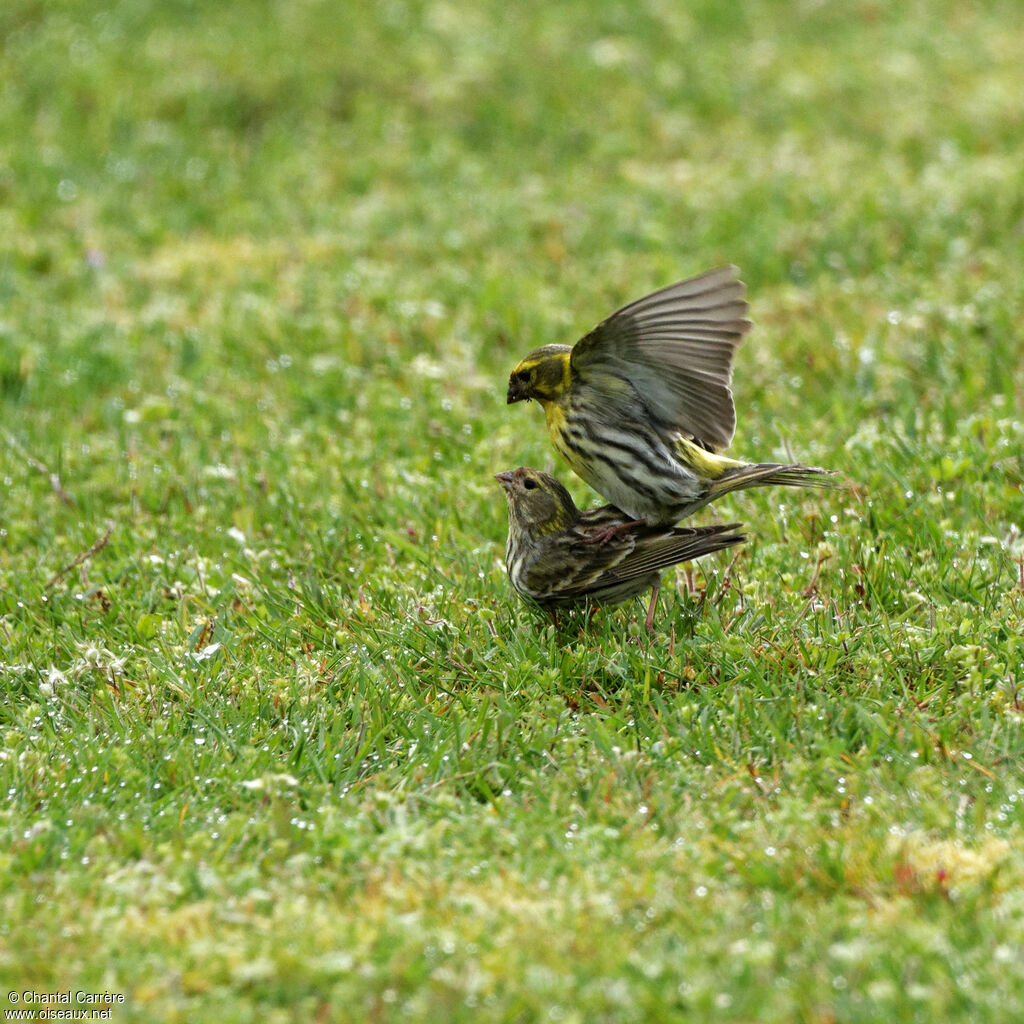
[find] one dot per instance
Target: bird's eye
(529, 484)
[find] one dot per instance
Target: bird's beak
(505, 479)
(514, 394)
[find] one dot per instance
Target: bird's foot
(603, 536)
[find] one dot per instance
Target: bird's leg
(603, 536)
(649, 621)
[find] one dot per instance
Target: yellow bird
(641, 405)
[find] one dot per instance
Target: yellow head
(537, 502)
(543, 374)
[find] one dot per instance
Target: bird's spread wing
(676, 348)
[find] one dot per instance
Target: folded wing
(563, 574)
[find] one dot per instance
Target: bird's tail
(769, 474)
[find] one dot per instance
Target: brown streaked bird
(558, 556)
(640, 406)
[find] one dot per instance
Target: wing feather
(678, 545)
(571, 569)
(562, 572)
(676, 348)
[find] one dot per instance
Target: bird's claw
(603, 536)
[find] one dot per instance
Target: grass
(277, 741)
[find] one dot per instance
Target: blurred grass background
(285, 746)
